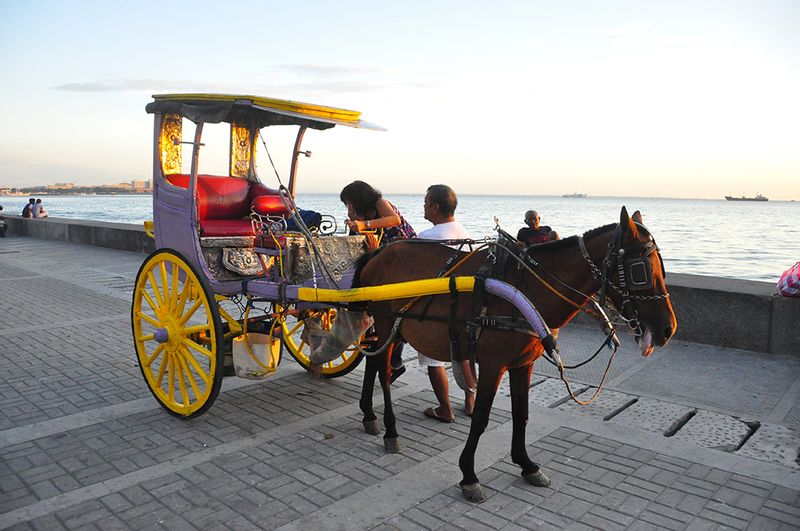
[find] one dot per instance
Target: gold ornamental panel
(169, 143)
(241, 150)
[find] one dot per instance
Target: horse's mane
(572, 240)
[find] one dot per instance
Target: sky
(695, 99)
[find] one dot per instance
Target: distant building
(61, 186)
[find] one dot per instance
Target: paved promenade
(695, 437)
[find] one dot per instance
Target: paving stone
(773, 443)
(607, 403)
(713, 430)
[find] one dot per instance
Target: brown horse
(622, 256)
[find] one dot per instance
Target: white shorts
(425, 361)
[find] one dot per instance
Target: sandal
(431, 412)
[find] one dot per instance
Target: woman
(368, 210)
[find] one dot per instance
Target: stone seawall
(715, 311)
(122, 236)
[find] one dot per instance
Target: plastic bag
(789, 284)
(346, 329)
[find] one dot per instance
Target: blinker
(639, 273)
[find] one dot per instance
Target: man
(440, 206)
(535, 233)
(27, 212)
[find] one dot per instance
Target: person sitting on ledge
(27, 212)
(535, 233)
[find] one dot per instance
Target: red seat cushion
(226, 227)
(223, 203)
(266, 201)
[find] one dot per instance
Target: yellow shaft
(400, 290)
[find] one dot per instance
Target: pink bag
(789, 284)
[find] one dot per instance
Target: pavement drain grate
(552, 392)
(607, 404)
(652, 415)
(713, 430)
(773, 443)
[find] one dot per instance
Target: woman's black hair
(362, 196)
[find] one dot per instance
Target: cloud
(284, 79)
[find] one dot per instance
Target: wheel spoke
(187, 289)
(173, 299)
(195, 329)
(194, 346)
(179, 374)
(196, 366)
(190, 377)
(153, 356)
(149, 319)
(161, 370)
(165, 285)
(149, 300)
(296, 327)
(154, 286)
(148, 337)
(171, 376)
(188, 315)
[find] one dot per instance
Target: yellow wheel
(177, 333)
(296, 342)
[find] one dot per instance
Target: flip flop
(431, 412)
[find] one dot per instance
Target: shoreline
(719, 311)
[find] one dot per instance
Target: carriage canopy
(255, 111)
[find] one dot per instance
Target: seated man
(535, 233)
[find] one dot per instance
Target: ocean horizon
(714, 237)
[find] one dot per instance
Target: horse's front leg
(390, 441)
(520, 380)
(488, 380)
(370, 421)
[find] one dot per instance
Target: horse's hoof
(392, 445)
(372, 427)
(474, 492)
(537, 479)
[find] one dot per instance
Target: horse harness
(633, 273)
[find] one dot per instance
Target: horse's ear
(637, 217)
(626, 224)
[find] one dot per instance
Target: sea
(744, 240)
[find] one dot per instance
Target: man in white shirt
(440, 207)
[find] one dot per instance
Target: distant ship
(575, 196)
(758, 197)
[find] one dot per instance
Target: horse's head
(638, 290)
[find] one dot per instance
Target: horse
(578, 266)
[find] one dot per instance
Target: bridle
(633, 273)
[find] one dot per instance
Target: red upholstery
(223, 203)
(226, 227)
(267, 202)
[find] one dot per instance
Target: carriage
(237, 260)
(241, 273)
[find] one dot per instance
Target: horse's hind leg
(370, 421)
(488, 380)
(390, 441)
(520, 380)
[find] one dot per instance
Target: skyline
(614, 99)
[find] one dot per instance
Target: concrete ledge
(711, 310)
(122, 236)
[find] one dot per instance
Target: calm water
(755, 241)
